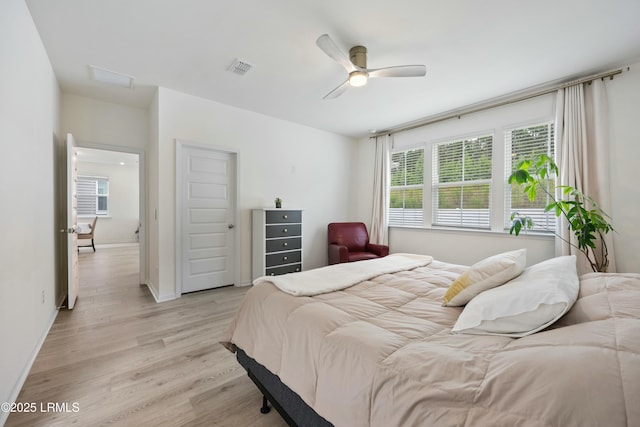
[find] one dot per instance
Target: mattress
(381, 353)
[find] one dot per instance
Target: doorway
(206, 198)
(110, 186)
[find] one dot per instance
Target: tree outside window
(462, 182)
(526, 143)
(407, 180)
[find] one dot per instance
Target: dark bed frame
(287, 402)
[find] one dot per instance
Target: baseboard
(13, 396)
(159, 299)
(169, 297)
(153, 292)
(107, 245)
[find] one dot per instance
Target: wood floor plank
(127, 361)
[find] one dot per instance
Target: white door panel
(72, 224)
(208, 212)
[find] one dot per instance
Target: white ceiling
(93, 155)
(474, 50)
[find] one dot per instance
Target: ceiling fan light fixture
(358, 78)
(356, 65)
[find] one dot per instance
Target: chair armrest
(380, 250)
(338, 254)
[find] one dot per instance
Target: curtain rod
(511, 98)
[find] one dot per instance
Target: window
(93, 195)
(461, 185)
(524, 143)
(459, 176)
(407, 180)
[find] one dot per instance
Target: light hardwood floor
(126, 360)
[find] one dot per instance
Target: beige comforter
(381, 353)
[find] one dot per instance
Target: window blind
(92, 194)
(520, 144)
(461, 182)
(407, 180)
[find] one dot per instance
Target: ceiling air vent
(109, 77)
(239, 67)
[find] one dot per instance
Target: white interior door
(208, 212)
(72, 223)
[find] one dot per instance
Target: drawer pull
(285, 244)
(285, 230)
(285, 216)
(284, 258)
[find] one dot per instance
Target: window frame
(493, 120)
(550, 217)
(415, 222)
(96, 194)
(436, 185)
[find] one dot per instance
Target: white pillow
(538, 297)
(484, 275)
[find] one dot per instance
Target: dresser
(277, 241)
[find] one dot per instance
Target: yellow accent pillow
(483, 275)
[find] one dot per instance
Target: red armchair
(349, 241)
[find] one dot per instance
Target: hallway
(123, 359)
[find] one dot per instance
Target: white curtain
(379, 233)
(582, 155)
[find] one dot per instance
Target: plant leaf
(520, 176)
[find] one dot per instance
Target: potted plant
(585, 218)
(278, 202)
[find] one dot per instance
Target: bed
(381, 352)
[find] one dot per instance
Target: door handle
(230, 226)
(68, 230)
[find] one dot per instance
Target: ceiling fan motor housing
(358, 56)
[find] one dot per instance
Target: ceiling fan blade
(329, 47)
(338, 91)
(399, 71)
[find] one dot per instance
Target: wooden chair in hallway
(89, 235)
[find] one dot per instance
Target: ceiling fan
(356, 65)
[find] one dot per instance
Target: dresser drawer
(283, 230)
(278, 245)
(281, 258)
(280, 217)
(276, 271)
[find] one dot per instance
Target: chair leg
(93, 246)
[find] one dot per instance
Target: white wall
(30, 128)
(465, 247)
(101, 122)
(307, 168)
(123, 203)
